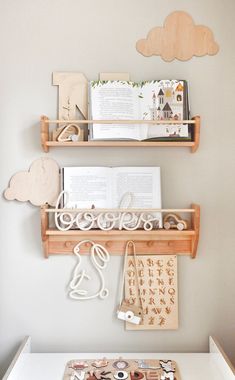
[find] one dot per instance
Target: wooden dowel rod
(74, 210)
(121, 121)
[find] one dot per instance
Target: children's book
(106, 187)
(149, 100)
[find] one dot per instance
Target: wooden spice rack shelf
(47, 143)
(159, 241)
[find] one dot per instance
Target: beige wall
(41, 36)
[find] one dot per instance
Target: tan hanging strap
(130, 243)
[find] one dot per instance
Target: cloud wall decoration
(39, 185)
(179, 38)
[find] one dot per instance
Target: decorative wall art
(156, 288)
(73, 95)
(179, 38)
(39, 185)
(99, 258)
(72, 101)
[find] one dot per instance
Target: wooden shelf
(47, 143)
(147, 242)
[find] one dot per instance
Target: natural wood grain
(147, 242)
(196, 133)
(179, 38)
(196, 227)
(127, 144)
(111, 369)
(46, 144)
(73, 94)
(44, 227)
(159, 299)
(102, 121)
(39, 185)
(65, 245)
(162, 210)
(44, 133)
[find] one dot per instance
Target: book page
(164, 100)
(141, 185)
(88, 187)
(143, 182)
(114, 100)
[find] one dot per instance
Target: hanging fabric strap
(129, 244)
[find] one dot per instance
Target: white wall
(39, 37)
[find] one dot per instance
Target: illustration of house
(167, 111)
(167, 104)
(179, 93)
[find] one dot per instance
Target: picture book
(149, 100)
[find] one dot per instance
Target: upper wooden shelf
(46, 142)
(158, 241)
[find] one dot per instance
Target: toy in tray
(121, 369)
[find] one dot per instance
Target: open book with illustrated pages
(150, 100)
(112, 188)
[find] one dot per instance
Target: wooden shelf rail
(147, 242)
(47, 143)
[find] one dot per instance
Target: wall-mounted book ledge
(152, 241)
(47, 141)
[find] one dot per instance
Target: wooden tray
(148, 374)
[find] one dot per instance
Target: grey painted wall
(38, 37)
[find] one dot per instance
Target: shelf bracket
(44, 125)
(196, 133)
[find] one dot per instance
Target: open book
(106, 187)
(149, 100)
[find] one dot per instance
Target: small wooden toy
(70, 132)
(79, 365)
(168, 370)
(120, 364)
(102, 375)
(120, 375)
(152, 375)
(174, 221)
(77, 375)
(129, 313)
(144, 365)
(136, 375)
(100, 363)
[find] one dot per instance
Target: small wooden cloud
(179, 38)
(39, 185)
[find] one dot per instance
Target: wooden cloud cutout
(39, 185)
(179, 38)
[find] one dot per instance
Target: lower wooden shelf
(147, 242)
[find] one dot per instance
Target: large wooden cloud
(39, 185)
(179, 38)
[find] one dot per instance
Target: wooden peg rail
(46, 142)
(147, 242)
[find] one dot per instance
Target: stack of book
(150, 100)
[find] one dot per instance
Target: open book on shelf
(106, 187)
(154, 100)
